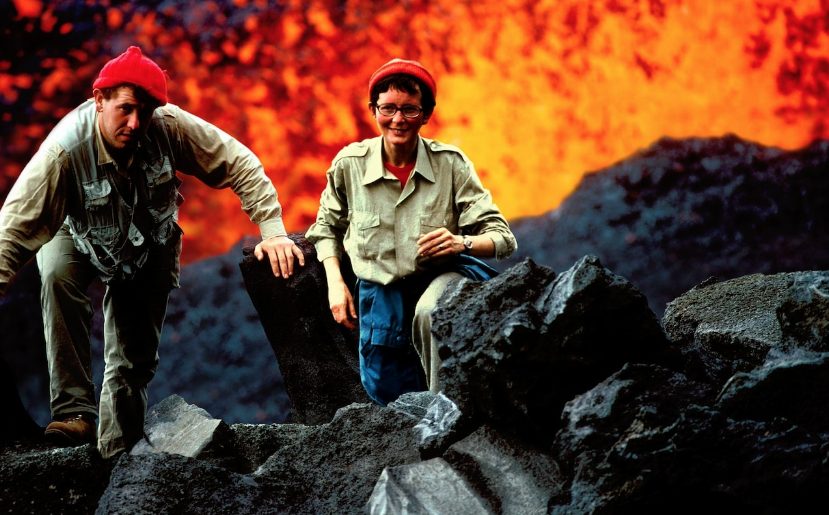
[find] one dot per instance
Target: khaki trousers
(133, 315)
(422, 338)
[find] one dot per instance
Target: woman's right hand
(342, 305)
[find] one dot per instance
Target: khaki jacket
(364, 213)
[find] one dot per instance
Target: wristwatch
(467, 244)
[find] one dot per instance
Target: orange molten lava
(536, 92)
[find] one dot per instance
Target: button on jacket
(49, 191)
(364, 212)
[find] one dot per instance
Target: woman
(410, 213)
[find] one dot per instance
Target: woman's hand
(339, 297)
(342, 305)
(439, 242)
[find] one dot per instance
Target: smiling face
(124, 114)
(399, 132)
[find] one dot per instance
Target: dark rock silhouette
(516, 348)
(680, 211)
(318, 357)
(643, 430)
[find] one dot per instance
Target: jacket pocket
(431, 222)
(366, 232)
(96, 194)
(162, 184)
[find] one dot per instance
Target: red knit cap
(412, 68)
(133, 68)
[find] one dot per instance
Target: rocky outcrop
(318, 357)
(518, 347)
(562, 394)
(681, 211)
(740, 427)
(727, 327)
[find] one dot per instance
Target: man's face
(123, 117)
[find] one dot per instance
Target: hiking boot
(72, 430)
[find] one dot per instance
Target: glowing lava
(536, 92)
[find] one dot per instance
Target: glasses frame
(380, 107)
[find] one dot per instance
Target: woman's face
(397, 129)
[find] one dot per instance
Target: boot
(72, 430)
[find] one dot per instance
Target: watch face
(467, 242)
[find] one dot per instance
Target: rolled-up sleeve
(220, 161)
(33, 211)
(328, 231)
(478, 213)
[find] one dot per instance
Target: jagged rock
(700, 462)
(441, 425)
(214, 351)
(483, 473)
(40, 479)
(793, 386)
(680, 211)
(414, 404)
(252, 444)
(431, 486)
(176, 427)
(317, 357)
(730, 326)
(516, 348)
(168, 483)
(596, 419)
(513, 476)
(334, 468)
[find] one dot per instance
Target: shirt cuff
(271, 228)
(502, 248)
(327, 248)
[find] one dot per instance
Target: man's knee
(56, 275)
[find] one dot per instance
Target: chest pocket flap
(96, 193)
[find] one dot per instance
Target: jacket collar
(376, 171)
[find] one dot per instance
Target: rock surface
(650, 423)
(318, 358)
(176, 427)
(515, 349)
(681, 211)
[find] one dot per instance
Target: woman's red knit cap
(412, 68)
(133, 68)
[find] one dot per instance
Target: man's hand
(281, 251)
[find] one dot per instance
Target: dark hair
(406, 83)
(140, 93)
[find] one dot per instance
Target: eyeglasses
(408, 111)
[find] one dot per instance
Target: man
(100, 199)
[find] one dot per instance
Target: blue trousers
(389, 363)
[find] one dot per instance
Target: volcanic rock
(317, 357)
(38, 478)
(516, 348)
(642, 430)
(334, 468)
(727, 327)
(175, 427)
(680, 211)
